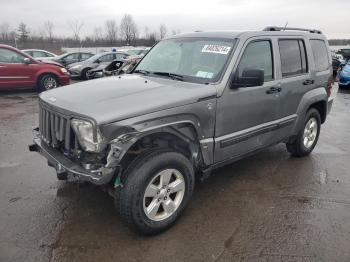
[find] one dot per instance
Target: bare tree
(76, 26)
(111, 30)
(146, 30)
(5, 31)
(48, 29)
(162, 31)
(97, 34)
(128, 29)
(23, 32)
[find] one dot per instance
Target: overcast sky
(331, 16)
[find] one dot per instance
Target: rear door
(296, 77)
(245, 116)
(14, 72)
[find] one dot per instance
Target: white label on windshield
(217, 49)
(204, 74)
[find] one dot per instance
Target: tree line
(110, 34)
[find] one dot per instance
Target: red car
(19, 70)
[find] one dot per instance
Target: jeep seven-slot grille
(55, 130)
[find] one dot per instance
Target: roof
(246, 33)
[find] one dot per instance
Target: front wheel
(157, 188)
(307, 137)
(47, 82)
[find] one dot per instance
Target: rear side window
(321, 58)
(293, 57)
(257, 55)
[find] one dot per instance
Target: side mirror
(27, 60)
(98, 61)
(250, 77)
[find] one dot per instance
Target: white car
(39, 54)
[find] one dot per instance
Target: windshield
(196, 59)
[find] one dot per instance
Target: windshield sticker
(217, 49)
(204, 74)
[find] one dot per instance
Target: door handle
(308, 82)
(273, 90)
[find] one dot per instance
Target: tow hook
(33, 148)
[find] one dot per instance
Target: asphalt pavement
(268, 207)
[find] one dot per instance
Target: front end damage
(79, 150)
(67, 168)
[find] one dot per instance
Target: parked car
(137, 51)
(39, 54)
(72, 57)
(194, 103)
(118, 67)
(338, 63)
(345, 52)
(81, 69)
(344, 76)
(19, 70)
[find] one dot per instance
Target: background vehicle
(118, 67)
(137, 51)
(19, 70)
(72, 57)
(194, 103)
(344, 76)
(81, 69)
(345, 52)
(338, 63)
(39, 54)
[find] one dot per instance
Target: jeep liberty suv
(194, 103)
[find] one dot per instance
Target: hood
(112, 99)
(50, 62)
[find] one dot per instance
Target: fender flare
(311, 97)
(121, 145)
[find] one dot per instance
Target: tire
(84, 74)
(303, 145)
(47, 82)
(146, 172)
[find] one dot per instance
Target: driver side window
(257, 55)
(9, 56)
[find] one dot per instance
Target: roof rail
(277, 28)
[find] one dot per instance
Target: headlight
(84, 131)
(63, 70)
(75, 67)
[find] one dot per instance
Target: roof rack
(277, 28)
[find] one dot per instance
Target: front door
(13, 71)
(246, 116)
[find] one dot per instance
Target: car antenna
(284, 29)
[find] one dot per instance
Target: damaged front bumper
(72, 170)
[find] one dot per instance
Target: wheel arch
(315, 98)
(180, 137)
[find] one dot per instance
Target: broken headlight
(84, 131)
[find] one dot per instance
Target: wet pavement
(268, 207)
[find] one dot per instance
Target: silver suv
(194, 103)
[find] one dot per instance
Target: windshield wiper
(171, 75)
(141, 71)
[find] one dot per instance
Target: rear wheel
(157, 188)
(85, 74)
(307, 137)
(47, 82)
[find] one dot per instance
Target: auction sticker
(217, 49)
